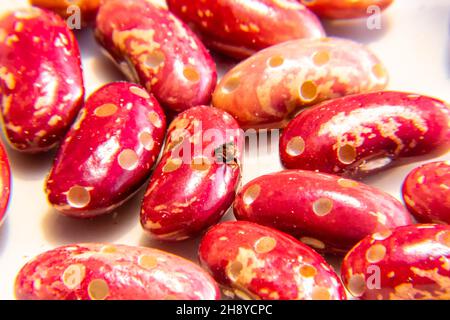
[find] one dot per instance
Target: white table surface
(414, 43)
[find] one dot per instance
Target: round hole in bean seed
(321, 58)
(265, 244)
(74, 275)
(155, 119)
(106, 110)
(322, 206)
(308, 91)
(295, 146)
(191, 74)
(78, 197)
(379, 71)
(376, 253)
(231, 84)
(98, 289)
(251, 194)
(276, 61)
(128, 159)
(347, 154)
(147, 140)
(109, 249)
(148, 262)
(317, 244)
(444, 238)
(357, 285)
(308, 271)
(347, 183)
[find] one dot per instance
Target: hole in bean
(78, 197)
(295, 146)
(347, 154)
(308, 91)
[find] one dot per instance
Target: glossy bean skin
(362, 134)
(267, 89)
(5, 182)
(87, 8)
(41, 82)
(155, 48)
(109, 152)
(112, 272)
(317, 208)
(407, 263)
(190, 192)
(345, 9)
(426, 191)
(239, 29)
(256, 262)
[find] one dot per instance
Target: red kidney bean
(239, 29)
(41, 82)
(256, 262)
(195, 181)
(345, 9)
(362, 134)
(317, 208)
(109, 152)
(112, 272)
(5, 182)
(407, 263)
(154, 47)
(426, 192)
(267, 89)
(87, 8)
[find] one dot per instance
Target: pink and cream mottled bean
(109, 152)
(241, 28)
(5, 182)
(407, 263)
(267, 89)
(362, 134)
(256, 262)
(426, 192)
(41, 82)
(317, 208)
(190, 192)
(346, 9)
(157, 49)
(112, 272)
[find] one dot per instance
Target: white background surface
(414, 44)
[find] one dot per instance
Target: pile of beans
(173, 124)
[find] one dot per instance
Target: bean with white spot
(195, 181)
(109, 152)
(153, 47)
(257, 262)
(97, 271)
(362, 134)
(406, 263)
(267, 89)
(318, 208)
(41, 82)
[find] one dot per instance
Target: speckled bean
(240, 28)
(346, 9)
(153, 47)
(317, 208)
(41, 83)
(256, 262)
(267, 89)
(190, 192)
(363, 134)
(408, 263)
(426, 192)
(108, 153)
(112, 272)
